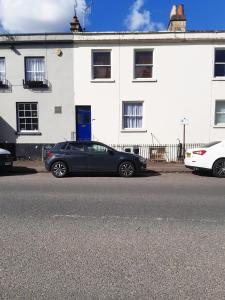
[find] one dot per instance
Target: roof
(114, 37)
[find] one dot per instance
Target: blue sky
(22, 16)
(201, 15)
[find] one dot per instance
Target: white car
(209, 157)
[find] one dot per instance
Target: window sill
(133, 130)
(218, 78)
(219, 126)
(28, 133)
(102, 80)
(145, 80)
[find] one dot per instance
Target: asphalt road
(151, 237)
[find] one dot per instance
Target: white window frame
(26, 117)
(34, 72)
(133, 129)
(218, 113)
(139, 65)
(92, 65)
(3, 73)
(217, 63)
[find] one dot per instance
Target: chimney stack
(75, 25)
(177, 19)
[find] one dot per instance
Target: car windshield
(211, 144)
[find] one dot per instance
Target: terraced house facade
(118, 88)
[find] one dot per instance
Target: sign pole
(184, 121)
(184, 125)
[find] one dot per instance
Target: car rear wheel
(219, 168)
(59, 169)
(126, 169)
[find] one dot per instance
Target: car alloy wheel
(59, 169)
(219, 168)
(126, 169)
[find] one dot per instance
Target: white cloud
(140, 19)
(38, 15)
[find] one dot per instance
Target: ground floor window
(220, 112)
(27, 116)
(132, 115)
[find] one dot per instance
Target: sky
(27, 16)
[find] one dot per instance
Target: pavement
(37, 166)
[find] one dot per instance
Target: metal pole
(184, 141)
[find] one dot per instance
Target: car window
(211, 144)
(75, 147)
(96, 148)
(57, 147)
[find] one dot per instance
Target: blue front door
(83, 123)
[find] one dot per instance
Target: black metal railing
(157, 152)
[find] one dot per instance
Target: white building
(36, 90)
(118, 88)
(151, 82)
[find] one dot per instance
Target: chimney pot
(180, 10)
(173, 11)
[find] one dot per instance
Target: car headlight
(142, 159)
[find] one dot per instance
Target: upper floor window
(220, 112)
(101, 68)
(2, 69)
(219, 63)
(143, 64)
(132, 115)
(34, 69)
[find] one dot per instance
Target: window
(219, 63)
(75, 147)
(220, 112)
(132, 115)
(27, 117)
(96, 148)
(34, 69)
(2, 69)
(101, 65)
(143, 64)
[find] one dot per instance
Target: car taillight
(199, 152)
(50, 154)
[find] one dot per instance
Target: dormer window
(35, 72)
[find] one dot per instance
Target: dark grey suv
(68, 157)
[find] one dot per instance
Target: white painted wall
(52, 127)
(183, 87)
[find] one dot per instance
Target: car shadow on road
(148, 173)
(202, 173)
(15, 171)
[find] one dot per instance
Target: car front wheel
(59, 169)
(219, 168)
(126, 169)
